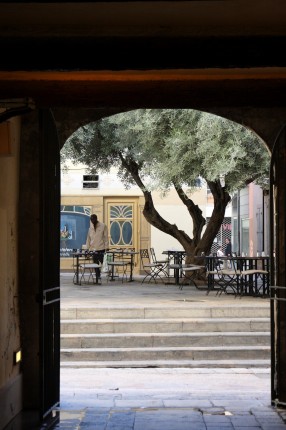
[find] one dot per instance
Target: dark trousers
(98, 259)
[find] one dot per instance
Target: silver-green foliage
(172, 146)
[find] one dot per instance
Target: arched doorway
(266, 121)
(228, 67)
(47, 163)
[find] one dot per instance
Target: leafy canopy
(172, 147)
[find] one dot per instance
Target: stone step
(184, 311)
(187, 335)
(153, 325)
(142, 340)
(195, 364)
(166, 353)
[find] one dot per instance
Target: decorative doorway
(122, 222)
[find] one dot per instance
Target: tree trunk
(199, 244)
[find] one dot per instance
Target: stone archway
(264, 122)
(56, 54)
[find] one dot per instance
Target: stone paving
(160, 398)
(167, 399)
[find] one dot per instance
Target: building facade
(250, 221)
(121, 210)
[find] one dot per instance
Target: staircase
(183, 336)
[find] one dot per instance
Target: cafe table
(178, 257)
(123, 254)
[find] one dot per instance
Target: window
(90, 181)
(245, 236)
(259, 224)
(73, 228)
(121, 224)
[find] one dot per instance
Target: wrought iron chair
(213, 268)
(80, 257)
(229, 277)
(151, 269)
(117, 266)
(189, 273)
(253, 280)
(89, 273)
(164, 262)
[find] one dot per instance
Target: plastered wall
(10, 373)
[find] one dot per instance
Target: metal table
(123, 254)
(178, 257)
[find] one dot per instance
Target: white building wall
(169, 207)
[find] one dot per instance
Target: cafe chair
(254, 282)
(189, 273)
(164, 262)
(151, 269)
(117, 266)
(89, 274)
(229, 277)
(214, 277)
(80, 256)
(130, 261)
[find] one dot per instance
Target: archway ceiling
(198, 89)
(144, 53)
(111, 56)
(92, 19)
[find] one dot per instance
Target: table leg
(131, 269)
(76, 275)
(112, 270)
(177, 260)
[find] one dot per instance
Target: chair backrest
(88, 255)
(216, 262)
(232, 262)
(144, 255)
(153, 255)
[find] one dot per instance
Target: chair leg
(190, 279)
(153, 274)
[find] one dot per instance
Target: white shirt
(97, 240)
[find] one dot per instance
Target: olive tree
(160, 149)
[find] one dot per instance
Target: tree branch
(194, 211)
(149, 211)
(221, 200)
